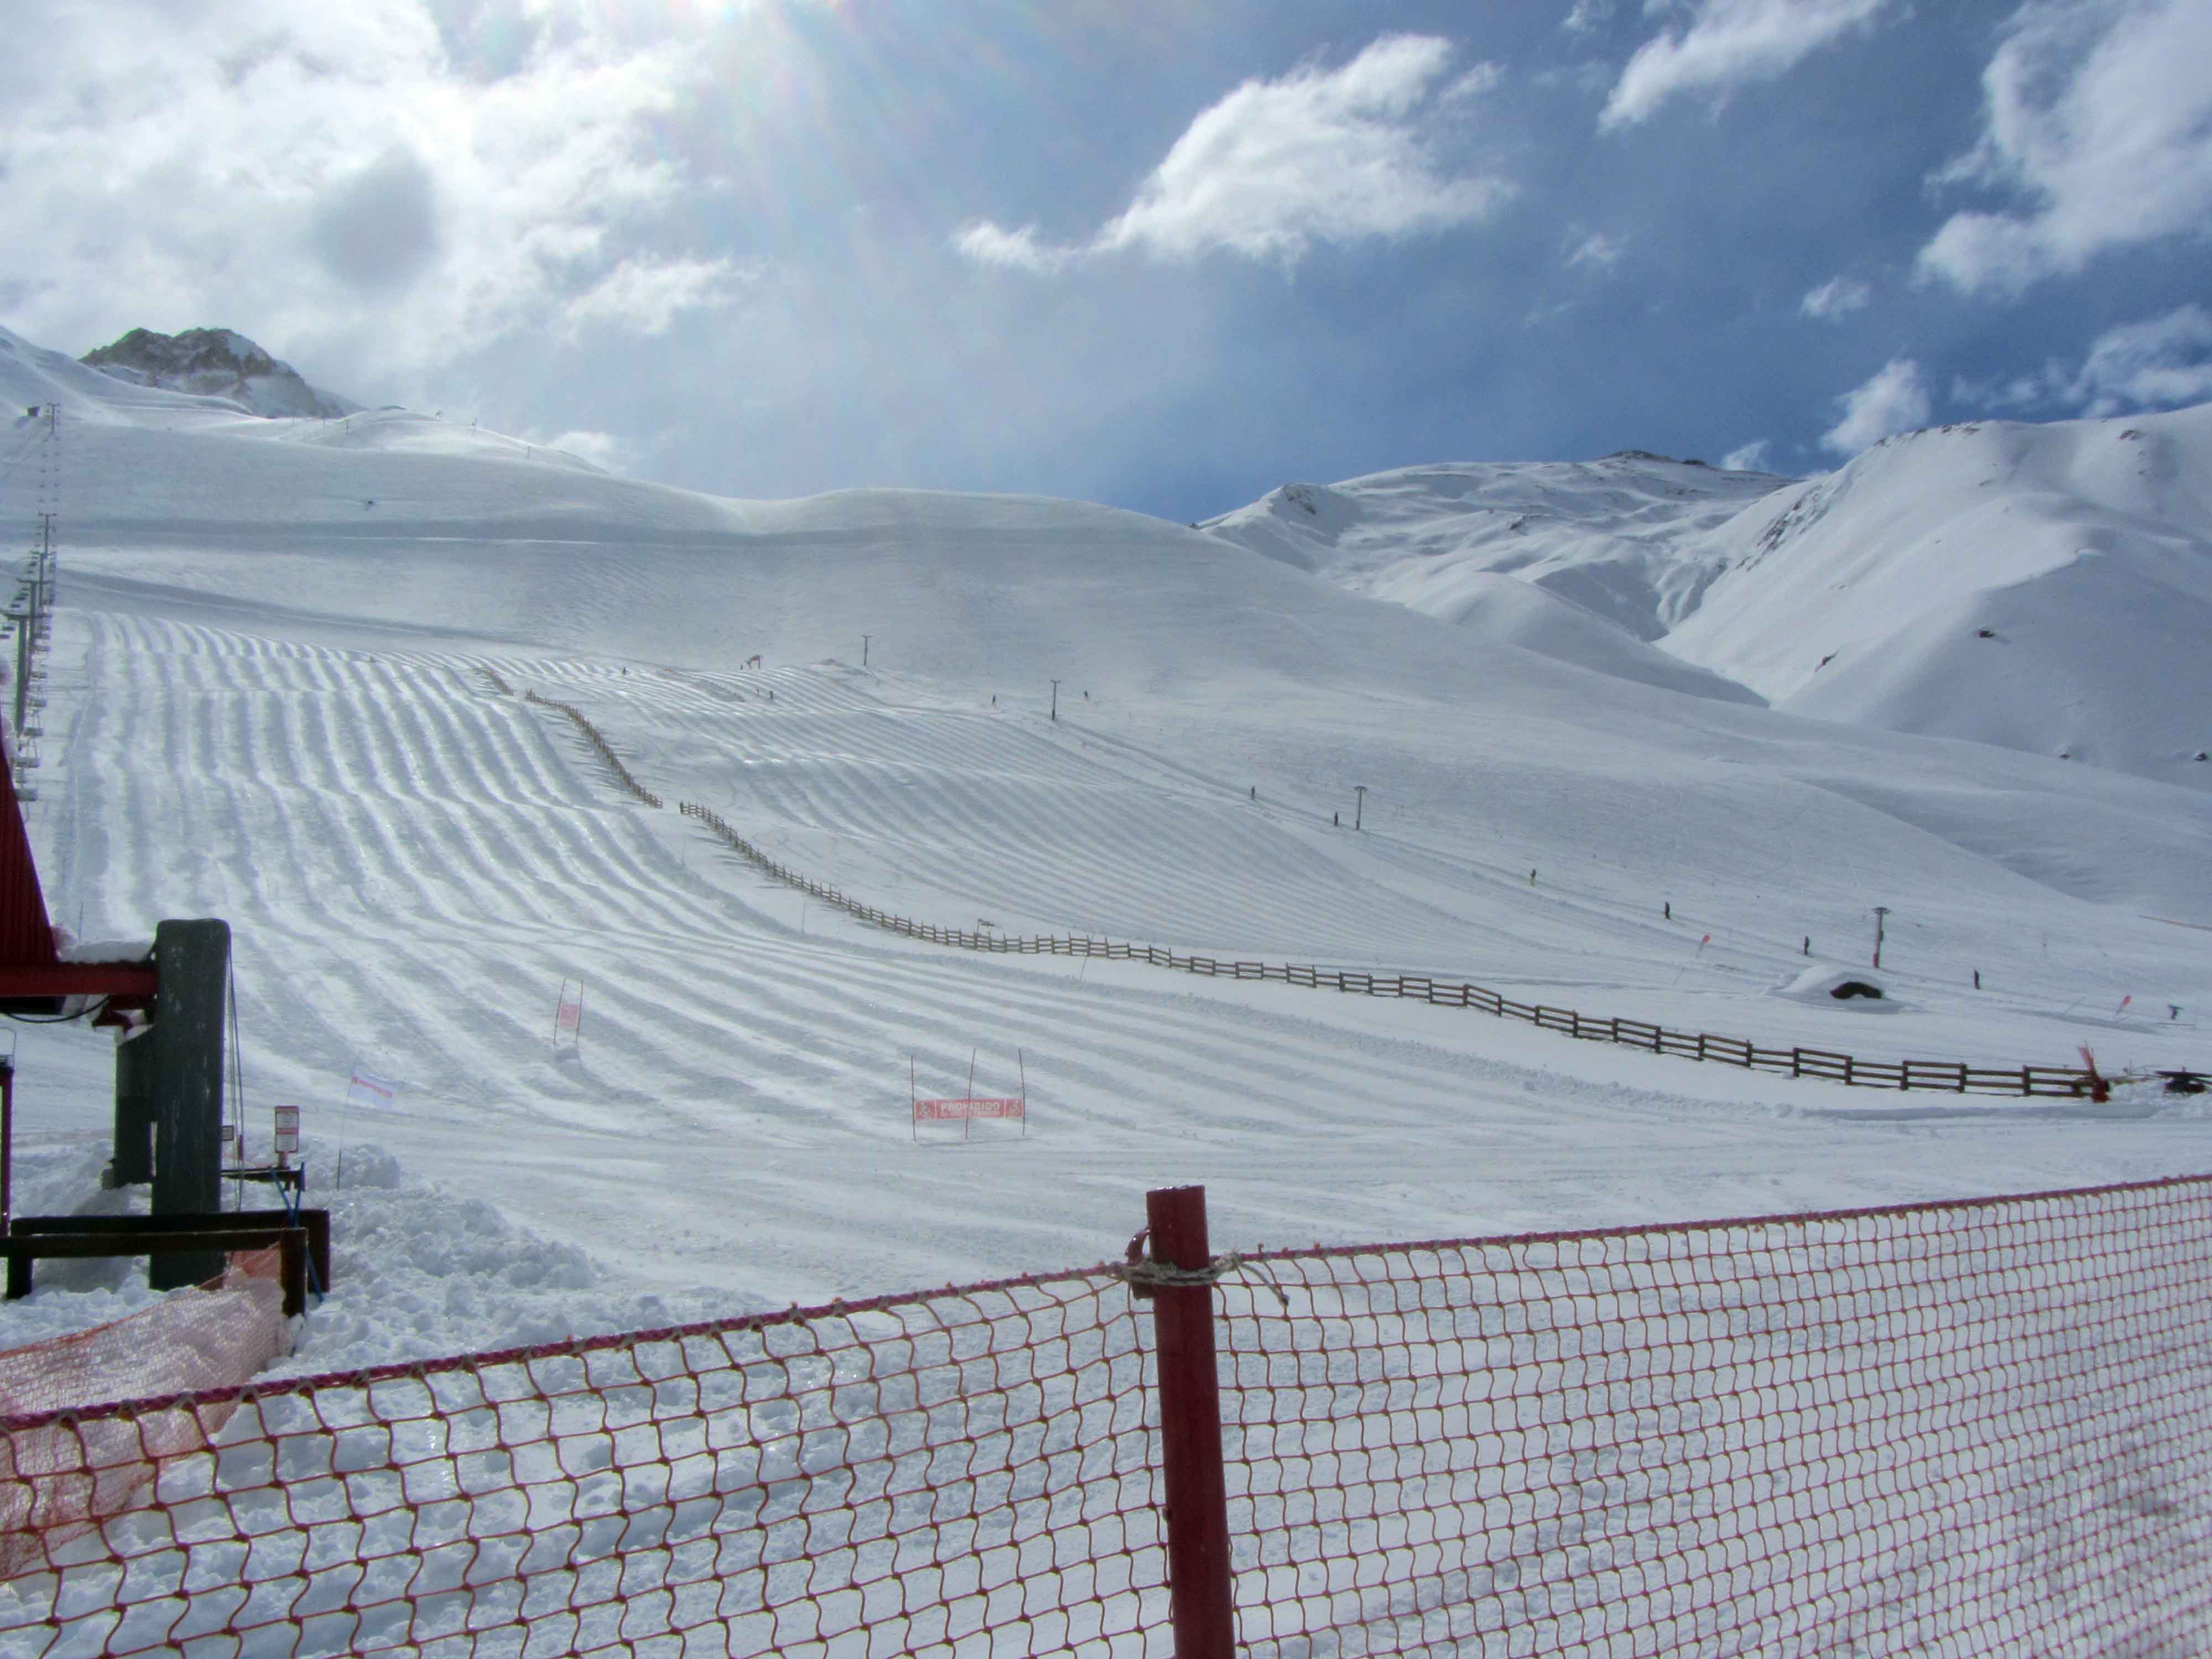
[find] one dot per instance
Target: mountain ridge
(2033, 586)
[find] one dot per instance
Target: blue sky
(1160, 255)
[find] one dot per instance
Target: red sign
(287, 1128)
(948, 1111)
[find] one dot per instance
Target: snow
(269, 703)
(1819, 985)
(2034, 587)
(1607, 537)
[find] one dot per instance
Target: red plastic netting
(214, 1336)
(970, 1471)
(1961, 1429)
(57, 1478)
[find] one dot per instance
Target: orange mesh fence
(966, 1472)
(58, 1477)
(1970, 1428)
(1966, 1429)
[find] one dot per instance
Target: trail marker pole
(1880, 913)
(1055, 700)
(864, 638)
(1198, 1602)
(345, 1111)
(1358, 803)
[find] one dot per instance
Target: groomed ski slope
(281, 717)
(412, 863)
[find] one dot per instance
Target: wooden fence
(606, 752)
(1941, 1076)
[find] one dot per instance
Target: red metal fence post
(1190, 1431)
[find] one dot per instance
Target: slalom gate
(1956, 1428)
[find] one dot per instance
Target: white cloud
(2098, 114)
(644, 296)
(2021, 392)
(2162, 362)
(1596, 250)
(1894, 401)
(342, 179)
(1727, 44)
(1835, 298)
(1342, 155)
(1481, 79)
(1748, 458)
(2159, 364)
(987, 244)
(1587, 16)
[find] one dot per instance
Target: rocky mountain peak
(216, 362)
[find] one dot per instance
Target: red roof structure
(33, 976)
(26, 937)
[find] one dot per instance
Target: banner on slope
(569, 1015)
(375, 1094)
(964, 1109)
(947, 1111)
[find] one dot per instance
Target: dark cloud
(379, 230)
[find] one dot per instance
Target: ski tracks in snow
(411, 864)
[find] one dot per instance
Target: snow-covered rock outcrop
(215, 362)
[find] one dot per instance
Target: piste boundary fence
(1944, 1076)
(1959, 1428)
(596, 739)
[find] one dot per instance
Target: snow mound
(419, 1270)
(1818, 987)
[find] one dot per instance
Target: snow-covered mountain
(1606, 535)
(1580, 561)
(215, 362)
(285, 688)
(2040, 588)
(2044, 587)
